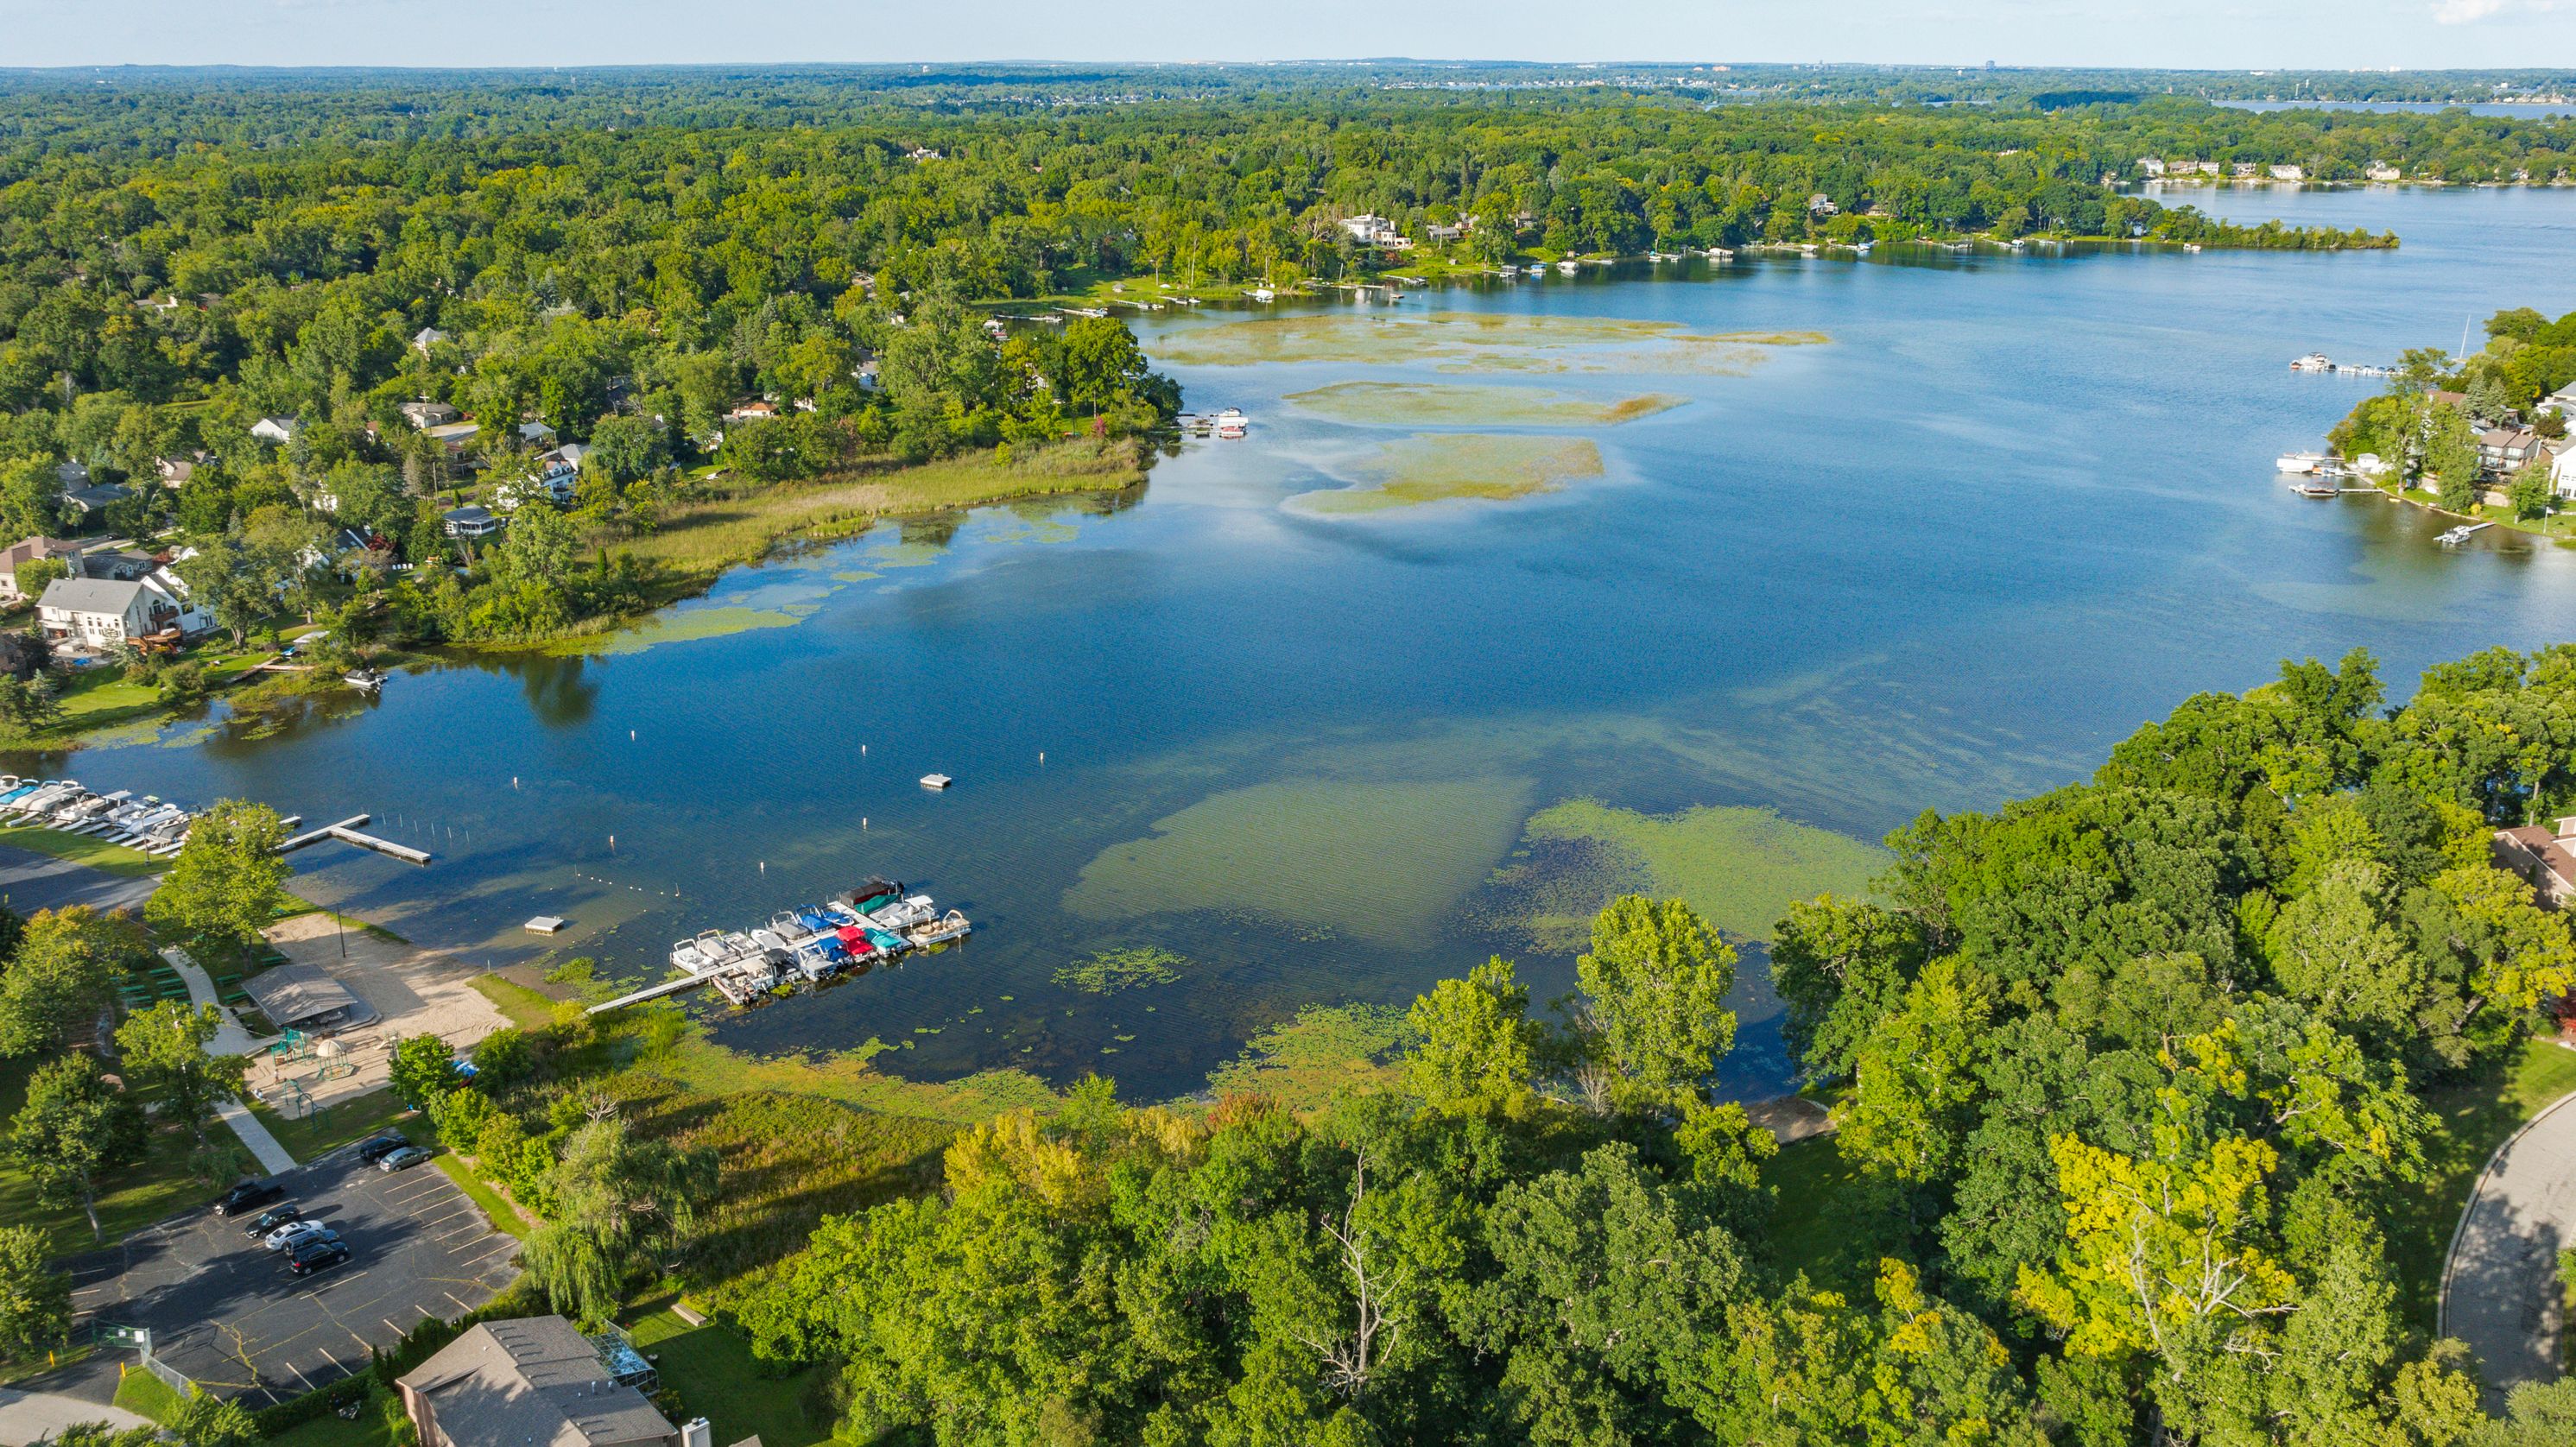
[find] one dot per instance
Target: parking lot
(224, 1309)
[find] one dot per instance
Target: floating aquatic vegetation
(1107, 972)
(1384, 860)
(1466, 341)
(1454, 467)
(675, 626)
(1325, 1051)
(1740, 868)
(1433, 404)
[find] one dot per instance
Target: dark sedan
(318, 1254)
(272, 1218)
(246, 1195)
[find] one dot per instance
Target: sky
(2417, 34)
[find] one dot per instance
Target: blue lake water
(2015, 505)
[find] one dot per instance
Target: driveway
(2500, 1290)
(225, 1311)
(30, 881)
(27, 1417)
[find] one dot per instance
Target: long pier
(652, 992)
(346, 831)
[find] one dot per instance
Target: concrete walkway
(2500, 1289)
(231, 1039)
(30, 1417)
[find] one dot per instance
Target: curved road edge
(2502, 1259)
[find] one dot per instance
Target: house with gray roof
(100, 613)
(533, 1382)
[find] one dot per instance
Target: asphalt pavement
(2500, 1288)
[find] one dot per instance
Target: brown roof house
(2546, 859)
(538, 1382)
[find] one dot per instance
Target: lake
(1325, 747)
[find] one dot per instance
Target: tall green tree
(164, 1052)
(74, 1128)
(1476, 1040)
(35, 1298)
(229, 881)
(62, 978)
(1655, 984)
(619, 1202)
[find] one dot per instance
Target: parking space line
(299, 1376)
(508, 1243)
(450, 1216)
(460, 1301)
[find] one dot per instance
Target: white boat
(2192, 246)
(1862, 249)
(2300, 462)
(1568, 265)
(1263, 293)
(936, 781)
(1507, 272)
(2312, 362)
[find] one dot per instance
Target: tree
(63, 977)
(29, 705)
(164, 1051)
(422, 1067)
(35, 1299)
(1838, 965)
(74, 1128)
(619, 1202)
(204, 1421)
(2451, 455)
(1656, 981)
(1476, 1040)
(229, 881)
(35, 573)
(2531, 491)
(503, 1058)
(1914, 1080)
(237, 581)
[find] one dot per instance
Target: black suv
(382, 1146)
(246, 1195)
(317, 1254)
(272, 1218)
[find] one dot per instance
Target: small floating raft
(936, 781)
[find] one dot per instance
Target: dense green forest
(2132, 1086)
(722, 283)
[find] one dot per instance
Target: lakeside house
(2289, 173)
(100, 613)
(469, 521)
(1820, 204)
(2544, 859)
(538, 1380)
(1370, 229)
(2150, 166)
(2382, 171)
(2562, 467)
(557, 479)
(2242, 171)
(2502, 451)
(280, 430)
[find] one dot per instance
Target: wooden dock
(346, 831)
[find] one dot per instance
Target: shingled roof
(533, 1382)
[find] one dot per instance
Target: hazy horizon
(2230, 35)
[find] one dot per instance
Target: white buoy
(630, 736)
(1041, 756)
(863, 748)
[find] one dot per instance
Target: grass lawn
(333, 1126)
(505, 1217)
(525, 1008)
(97, 853)
(12, 1372)
(2475, 1120)
(372, 1429)
(711, 1370)
(140, 1392)
(159, 1185)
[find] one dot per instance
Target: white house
(2150, 166)
(2562, 467)
(426, 338)
(280, 430)
(101, 613)
(536, 434)
(1370, 229)
(2289, 173)
(470, 522)
(2382, 171)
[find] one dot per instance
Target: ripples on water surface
(2008, 508)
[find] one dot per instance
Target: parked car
(381, 1146)
(246, 1195)
(402, 1160)
(296, 1233)
(272, 1218)
(317, 1254)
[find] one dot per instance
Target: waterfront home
(425, 415)
(2242, 170)
(20, 554)
(2502, 451)
(1821, 204)
(2150, 166)
(100, 613)
(2382, 171)
(2562, 467)
(2289, 173)
(2542, 858)
(469, 521)
(280, 430)
(539, 1380)
(2562, 401)
(1369, 229)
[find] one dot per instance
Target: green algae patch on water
(1472, 341)
(1431, 404)
(1741, 868)
(677, 627)
(1385, 861)
(1106, 972)
(1454, 467)
(1327, 1050)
